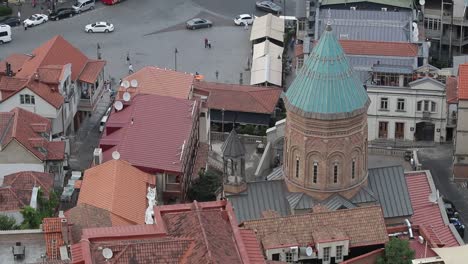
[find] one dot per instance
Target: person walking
(130, 69)
(246, 25)
(209, 44)
(19, 14)
(206, 43)
(128, 58)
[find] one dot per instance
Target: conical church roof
(326, 87)
(233, 147)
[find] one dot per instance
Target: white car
(241, 19)
(99, 27)
(35, 20)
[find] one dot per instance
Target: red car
(111, 2)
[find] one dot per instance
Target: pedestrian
(206, 43)
(217, 74)
(209, 44)
(130, 69)
(19, 14)
(25, 26)
(246, 26)
(128, 58)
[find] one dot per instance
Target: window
(426, 105)
(383, 103)
(353, 169)
(335, 173)
(433, 106)
(289, 257)
(401, 104)
(300, 62)
(326, 254)
(42, 150)
(339, 253)
(419, 106)
(297, 167)
(27, 99)
(315, 172)
(3, 33)
(302, 24)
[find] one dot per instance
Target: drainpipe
(410, 231)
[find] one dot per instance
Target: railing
(246, 139)
(387, 151)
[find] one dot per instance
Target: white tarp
(266, 64)
(268, 26)
(453, 255)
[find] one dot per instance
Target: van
(102, 125)
(5, 34)
(83, 5)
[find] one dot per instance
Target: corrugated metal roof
(300, 201)
(367, 25)
(326, 87)
(336, 202)
(232, 147)
(366, 62)
(392, 69)
(276, 174)
(364, 195)
(389, 186)
(259, 197)
(397, 3)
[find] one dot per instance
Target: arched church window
(353, 169)
(335, 172)
(315, 172)
(297, 167)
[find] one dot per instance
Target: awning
(239, 117)
(266, 64)
(268, 26)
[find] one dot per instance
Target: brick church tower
(325, 147)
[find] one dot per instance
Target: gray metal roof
(259, 197)
(392, 69)
(364, 195)
(361, 62)
(367, 25)
(389, 186)
(300, 201)
(336, 202)
(276, 174)
(233, 147)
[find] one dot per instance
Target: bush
(5, 11)
(204, 188)
(7, 223)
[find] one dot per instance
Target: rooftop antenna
(126, 84)
(107, 253)
(116, 156)
(118, 105)
(134, 83)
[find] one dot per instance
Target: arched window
(353, 169)
(297, 167)
(315, 172)
(335, 172)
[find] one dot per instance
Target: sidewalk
(26, 7)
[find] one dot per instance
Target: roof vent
(36, 76)
(107, 253)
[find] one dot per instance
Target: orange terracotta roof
(10, 201)
(22, 125)
(463, 82)
(56, 51)
(242, 98)
(91, 71)
(87, 216)
(363, 226)
(50, 74)
(16, 60)
(118, 187)
(154, 80)
(452, 90)
(252, 245)
(52, 228)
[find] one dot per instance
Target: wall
(14, 152)
(461, 142)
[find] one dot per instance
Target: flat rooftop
(34, 242)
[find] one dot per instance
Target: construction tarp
(266, 64)
(268, 26)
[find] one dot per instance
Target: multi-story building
(460, 155)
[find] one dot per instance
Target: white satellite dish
(126, 84)
(118, 105)
(309, 251)
(126, 96)
(422, 2)
(107, 253)
(116, 155)
(134, 83)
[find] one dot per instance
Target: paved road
(439, 161)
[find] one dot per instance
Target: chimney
(64, 228)
(97, 156)
(8, 72)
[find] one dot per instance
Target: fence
(387, 151)
(246, 139)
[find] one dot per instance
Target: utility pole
(175, 58)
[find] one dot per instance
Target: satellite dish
(107, 253)
(118, 105)
(126, 84)
(134, 83)
(126, 96)
(422, 2)
(309, 251)
(116, 155)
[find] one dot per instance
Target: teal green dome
(326, 87)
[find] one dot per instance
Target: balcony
(89, 102)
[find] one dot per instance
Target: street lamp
(175, 58)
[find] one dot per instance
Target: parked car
(458, 226)
(104, 118)
(99, 27)
(198, 23)
(62, 13)
(244, 18)
(35, 20)
(12, 21)
(268, 6)
(83, 5)
(5, 34)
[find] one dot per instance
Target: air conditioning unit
(295, 253)
(352, 8)
(97, 156)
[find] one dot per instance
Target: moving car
(111, 2)
(5, 34)
(83, 5)
(244, 18)
(102, 125)
(35, 20)
(99, 27)
(12, 21)
(62, 13)
(198, 23)
(268, 6)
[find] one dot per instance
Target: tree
(7, 223)
(397, 251)
(32, 218)
(204, 188)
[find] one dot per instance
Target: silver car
(269, 6)
(198, 23)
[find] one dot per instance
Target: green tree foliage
(32, 218)
(397, 251)
(7, 223)
(204, 188)
(46, 208)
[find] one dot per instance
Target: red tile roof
(50, 74)
(87, 216)
(463, 82)
(16, 60)
(52, 53)
(252, 245)
(363, 226)
(201, 160)
(25, 181)
(242, 98)
(20, 125)
(52, 228)
(153, 131)
(9, 201)
(92, 70)
(426, 214)
(154, 80)
(362, 47)
(452, 90)
(118, 187)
